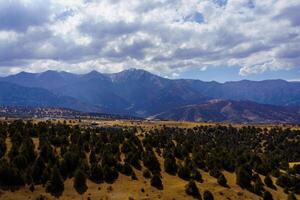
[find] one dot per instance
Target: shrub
(243, 177)
(195, 175)
(184, 172)
(283, 181)
(55, 185)
(170, 166)
(156, 182)
(80, 182)
(267, 196)
(192, 190)
(292, 196)
(268, 181)
(222, 180)
(96, 173)
(215, 173)
(207, 195)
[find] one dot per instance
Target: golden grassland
(126, 188)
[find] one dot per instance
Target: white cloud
(161, 36)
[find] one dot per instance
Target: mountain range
(140, 93)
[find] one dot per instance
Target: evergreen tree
(10, 176)
(267, 196)
(80, 181)
(243, 177)
(258, 187)
(222, 180)
(96, 173)
(55, 185)
(192, 190)
(184, 172)
(268, 181)
(292, 196)
(147, 174)
(170, 165)
(110, 174)
(156, 182)
(207, 195)
(2, 147)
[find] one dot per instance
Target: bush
(207, 195)
(284, 181)
(110, 174)
(55, 185)
(222, 180)
(192, 190)
(96, 173)
(170, 166)
(184, 172)
(80, 182)
(10, 176)
(215, 173)
(268, 181)
(195, 175)
(147, 174)
(267, 196)
(156, 182)
(292, 196)
(126, 169)
(243, 177)
(258, 187)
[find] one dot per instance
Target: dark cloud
(290, 13)
(135, 50)
(18, 16)
(104, 29)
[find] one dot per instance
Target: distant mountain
(140, 93)
(15, 95)
(133, 92)
(233, 111)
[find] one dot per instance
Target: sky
(218, 40)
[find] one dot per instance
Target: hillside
(233, 111)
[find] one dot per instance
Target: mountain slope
(15, 95)
(233, 111)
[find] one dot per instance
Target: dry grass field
(126, 188)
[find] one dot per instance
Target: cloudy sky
(206, 39)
